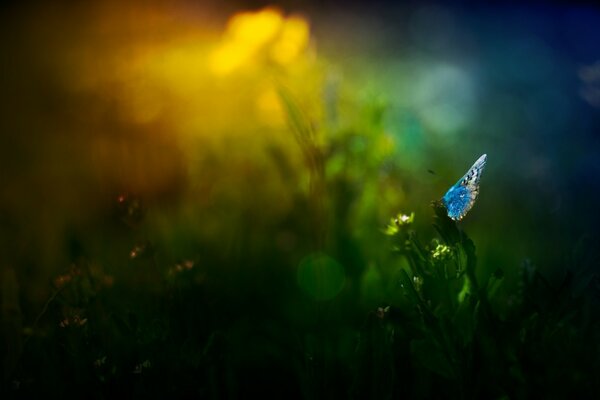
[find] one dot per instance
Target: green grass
(446, 338)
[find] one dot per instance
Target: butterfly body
(459, 199)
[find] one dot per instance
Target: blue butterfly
(459, 199)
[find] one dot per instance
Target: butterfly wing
(459, 199)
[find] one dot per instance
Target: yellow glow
(255, 36)
(229, 57)
(247, 33)
(255, 29)
(292, 41)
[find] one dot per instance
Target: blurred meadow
(232, 200)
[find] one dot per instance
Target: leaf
(407, 285)
(465, 291)
(469, 249)
(445, 226)
(299, 123)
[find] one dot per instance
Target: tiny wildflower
(381, 312)
(185, 265)
(141, 250)
(399, 221)
(73, 319)
(403, 219)
(136, 251)
(441, 252)
(418, 282)
(141, 366)
(100, 362)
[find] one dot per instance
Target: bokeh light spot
(258, 36)
(321, 276)
(255, 28)
(292, 40)
(247, 33)
(445, 99)
(229, 56)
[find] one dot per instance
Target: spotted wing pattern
(459, 199)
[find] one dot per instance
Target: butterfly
(459, 199)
